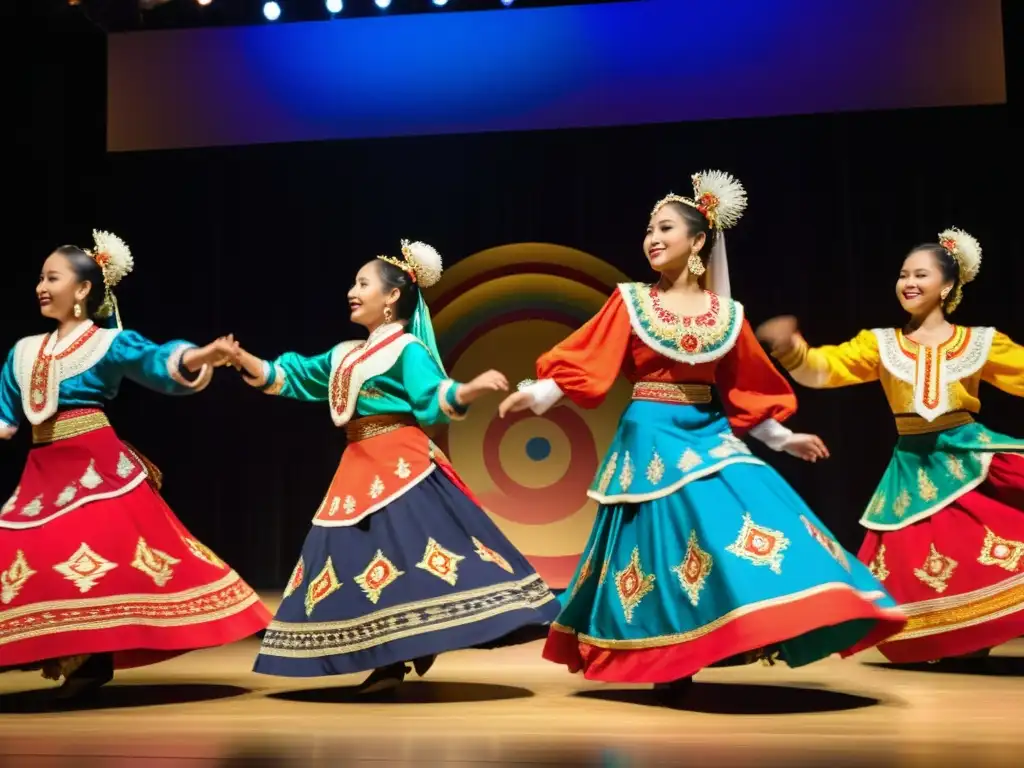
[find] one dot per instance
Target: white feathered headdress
(717, 194)
(420, 260)
(966, 252)
(114, 258)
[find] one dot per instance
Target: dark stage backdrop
(263, 242)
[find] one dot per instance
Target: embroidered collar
(933, 370)
(686, 339)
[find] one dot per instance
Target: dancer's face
(368, 296)
(59, 289)
(668, 242)
(920, 284)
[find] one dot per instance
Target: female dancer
(945, 525)
(97, 572)
(700, 552)
(401, 563)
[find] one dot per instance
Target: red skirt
(92, 560)
(958, 574)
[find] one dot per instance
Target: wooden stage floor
(509, 707)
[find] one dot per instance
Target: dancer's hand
(223, 351)
(250, 366)
(488, 381)
(778, 333)
(517, 401)
(807, 447)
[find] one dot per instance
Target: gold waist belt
(912, 424)
(372, 426)
(667, 392)
(69, 424)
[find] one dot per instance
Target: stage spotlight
(204, 2)
(440, 3)
(506, 3)
(334, 6)
(382, 4)
(272, 11)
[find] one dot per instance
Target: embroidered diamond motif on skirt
(125, 467)
(91, 479)
(11, 502)
(34, 507)
(441, 562)
(831, 545)
(14, 578)
(1006, 553)
(759, 545)
(937, 570)
(488, 555)
(693, 571)
(295, 580)
(689, 460)
(158, 565)
(380, 573)
(66, 496)
(633, 585)
(323, 586)
(84, 568)
(877, 565)
(203, 552)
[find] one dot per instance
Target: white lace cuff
(543, 394)
(772, 434)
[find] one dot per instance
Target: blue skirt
(726, 561)
(428, 573)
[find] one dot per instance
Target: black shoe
(385, 679)
(424, 663)
(97, 671)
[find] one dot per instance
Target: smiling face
(921, 283)
(668, 242)
(59, 289)
(367, 298)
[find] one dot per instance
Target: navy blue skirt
(426, 574)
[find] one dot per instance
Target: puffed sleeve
(297, 377)
(10, 400)
(431, 393)
(756, 397)
(1005, 366)
(158, 367)
(855, 361)
(585, 365)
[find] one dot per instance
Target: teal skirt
(717, 562)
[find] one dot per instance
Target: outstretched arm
(582, 368)
(1005, 365)
(436, 398)
(291, 375)
(856, 361)
(175, 368)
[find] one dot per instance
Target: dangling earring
(387, 314)
(694, 264)
(78, 311)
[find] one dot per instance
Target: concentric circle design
(502, 308)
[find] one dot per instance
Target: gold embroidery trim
(946, 619)
(65, 426)
(912, 424)
(373, 426)
(669, 392)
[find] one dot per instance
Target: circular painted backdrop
(502, 308)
